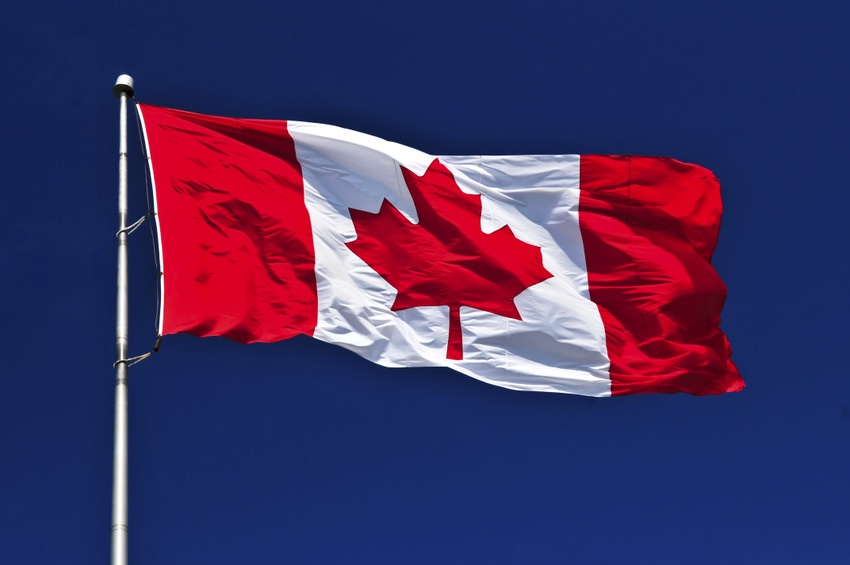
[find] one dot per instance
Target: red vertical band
(237, 244)
(649, 227)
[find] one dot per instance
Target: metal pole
(123, 89)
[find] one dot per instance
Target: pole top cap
(123, 84)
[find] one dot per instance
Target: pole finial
(123, 84)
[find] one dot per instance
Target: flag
(579, 274)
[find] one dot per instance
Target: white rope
(148, 193)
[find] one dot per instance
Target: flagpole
(123, 89)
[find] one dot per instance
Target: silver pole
(123, 89)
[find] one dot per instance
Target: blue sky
(300, 452)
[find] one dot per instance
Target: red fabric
(649, 227)
(238, 190)
(445, 258)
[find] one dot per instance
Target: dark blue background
(300, 452)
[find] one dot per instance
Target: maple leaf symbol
(445, 259)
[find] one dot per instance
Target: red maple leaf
(445, 259)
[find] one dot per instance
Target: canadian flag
(579, 274)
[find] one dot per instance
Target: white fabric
(558, 346)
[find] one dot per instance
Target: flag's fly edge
(650, 226)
